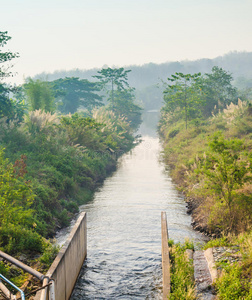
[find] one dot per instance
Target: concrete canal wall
(165, 257)
(65, 269)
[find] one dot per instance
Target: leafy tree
(121, 96)
(5, 102)
(123, 105)
(183, 96)
(5, 56)
(40, 95)
(8, 108)
(228, 168)
(73, 92)
(218, 90)
(117, 77)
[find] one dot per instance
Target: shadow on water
(124, 230)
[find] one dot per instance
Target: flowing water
(124, 228)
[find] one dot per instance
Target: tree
(117, 77)
(123, 105)
(5, 56)
(183, 96)
(5, 102)
(227, 167)
(40, 95)
(73, 92)
(218, 90)
(8, 108)
(121, 96)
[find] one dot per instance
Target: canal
(124, 231)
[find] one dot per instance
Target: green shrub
(70, 186)
(220, 242)
(49, 254)
(182, 283)
(64, 218)
(14, 239)
(173, 133)
(65, 160)
(70, 205)
(232, 286)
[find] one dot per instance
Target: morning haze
(55, 35)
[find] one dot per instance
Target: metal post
(52, 290)
(13, 285)
(44, 294)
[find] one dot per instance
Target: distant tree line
(72, 94)
(147, 78)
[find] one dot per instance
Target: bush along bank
(208, 153)
(49, 165)
(182, 277)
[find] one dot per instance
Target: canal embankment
(65, 269)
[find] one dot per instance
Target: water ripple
(124, 231)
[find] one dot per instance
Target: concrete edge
(165, 257)
(63, 249)
(43, 294)
(211, 263)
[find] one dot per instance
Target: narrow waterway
(124, 231)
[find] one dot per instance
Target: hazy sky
(66, 34)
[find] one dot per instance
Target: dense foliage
(121, 98)
(5, 56)
(66, 158)
(195, 97)
(51, 163)
(147, 77)
(73, 93)
(17, 220)
(8, 108)
(39, 95)
(210, 160)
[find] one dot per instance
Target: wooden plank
(165, 257)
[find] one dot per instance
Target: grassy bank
(207, 140)
(211, 164)
(234, 270)
(49, 165)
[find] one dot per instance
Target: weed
(182, 283)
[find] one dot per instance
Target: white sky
(67, 34)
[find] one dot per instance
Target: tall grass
(182, 283)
